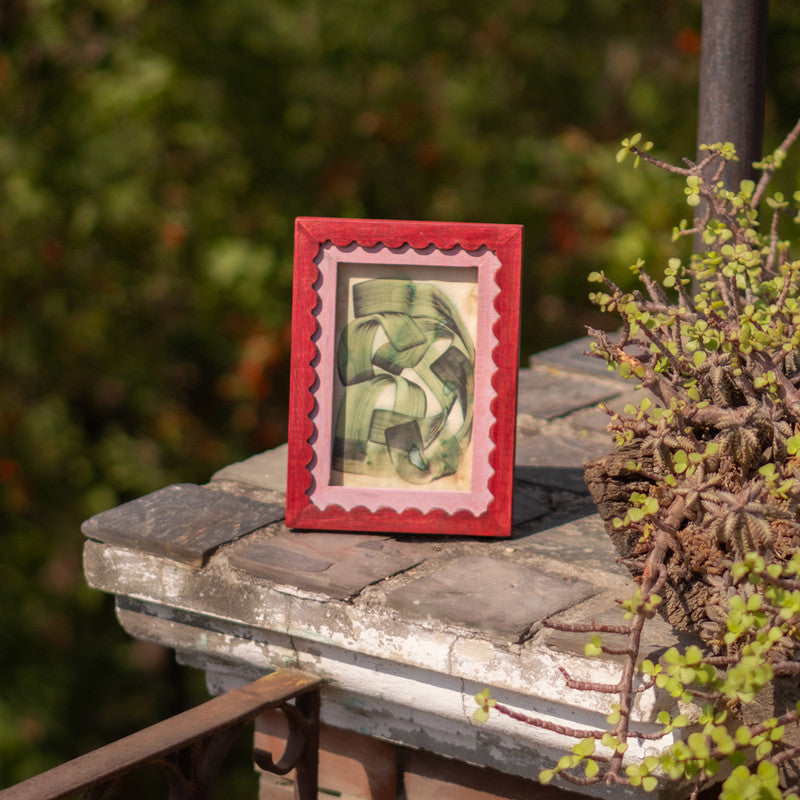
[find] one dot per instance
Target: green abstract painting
(405, 361)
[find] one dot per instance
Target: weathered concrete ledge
(404, 630)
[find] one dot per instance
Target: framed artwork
(405, 341)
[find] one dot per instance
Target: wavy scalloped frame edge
(422, 499)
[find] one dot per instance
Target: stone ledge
(404, 629)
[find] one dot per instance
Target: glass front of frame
(403, 400)
(404, 384)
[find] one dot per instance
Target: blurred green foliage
(153, 156)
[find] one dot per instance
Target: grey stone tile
(266, 470)
(570, 357)
(556, 461)
(339, 565)
(489, 593)
(184, 522)
(594, 419)
(583, 544)
(547, 393)
(530, 503)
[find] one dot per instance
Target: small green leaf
(636, 514)
(649, 783)
(693, 654)
(764, 749)
(776, 734)
(648, 667)
(594, 647)
(585, 747)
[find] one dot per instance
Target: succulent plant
(701, 497)
(711, 454)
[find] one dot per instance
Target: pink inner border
(323, 494)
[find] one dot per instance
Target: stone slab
(594, 419)
(489, 593)
(266, 470)
(546, 393)
(570, 356)
(556, 461)
(583, 544)
(183, 522)
(339, 565)
(530, 503)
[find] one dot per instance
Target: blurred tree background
(153, 156)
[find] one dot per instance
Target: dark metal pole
(732, 77)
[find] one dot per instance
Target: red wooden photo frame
(405, 347)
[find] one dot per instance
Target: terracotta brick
(273, 787)
(357, 766)
(431, 777)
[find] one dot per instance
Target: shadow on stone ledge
(569, 478)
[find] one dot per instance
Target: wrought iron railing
(191, 746)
